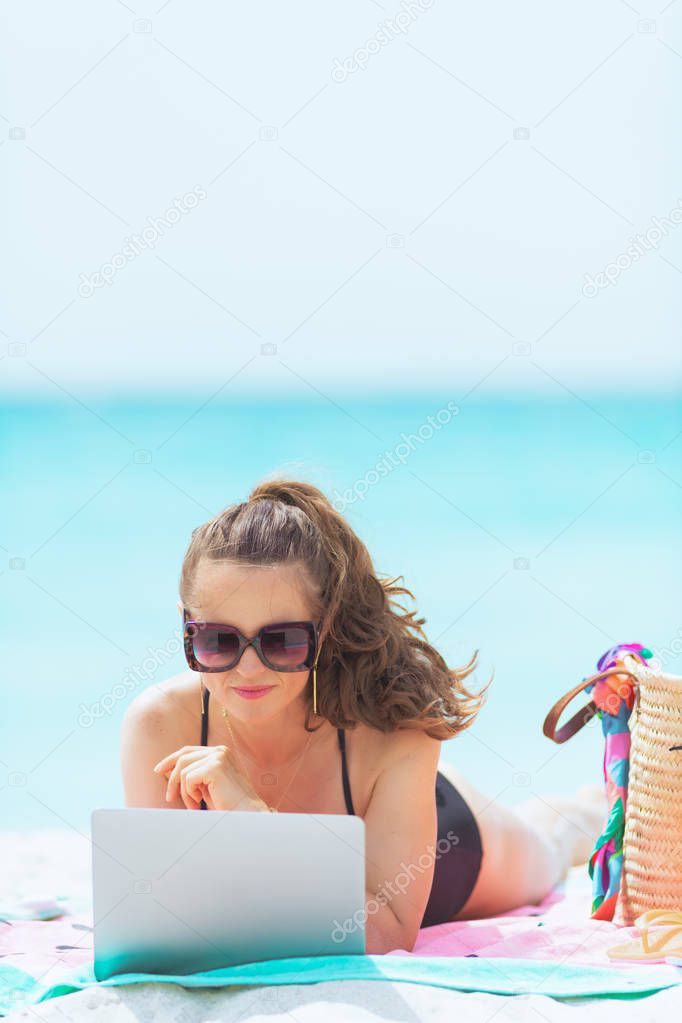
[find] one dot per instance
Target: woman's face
(249, 598)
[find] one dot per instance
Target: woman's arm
(401, 829)
(147, 734)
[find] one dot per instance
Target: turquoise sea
(537, 531)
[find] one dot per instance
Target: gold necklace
(272, 809)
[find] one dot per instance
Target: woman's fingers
(175, 775)
(202, 772)
(168, 762)
(192, 787)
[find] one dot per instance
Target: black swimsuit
(457, 868)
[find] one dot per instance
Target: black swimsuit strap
(344, 771)
(342, 746)
(204, 716)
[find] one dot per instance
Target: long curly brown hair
(375, 664)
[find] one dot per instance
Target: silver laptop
(181, 892)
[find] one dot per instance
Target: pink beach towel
(559, 929)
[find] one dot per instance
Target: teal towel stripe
(492, 975)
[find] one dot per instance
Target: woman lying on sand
(325, 697)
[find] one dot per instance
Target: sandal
(644, 949)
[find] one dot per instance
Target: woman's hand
(207, 772)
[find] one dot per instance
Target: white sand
(338, 1002)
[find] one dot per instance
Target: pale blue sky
(426, 218)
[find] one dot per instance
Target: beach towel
(552, 948)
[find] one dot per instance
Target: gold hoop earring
(315, 688)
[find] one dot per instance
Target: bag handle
(568, 730)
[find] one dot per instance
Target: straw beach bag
(636, 864)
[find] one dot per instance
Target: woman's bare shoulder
(374, 754)
(171, 705)
(162, 718)
(382, 749)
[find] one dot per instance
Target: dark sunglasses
(282, 646)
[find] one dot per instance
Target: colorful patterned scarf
(614, 701)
